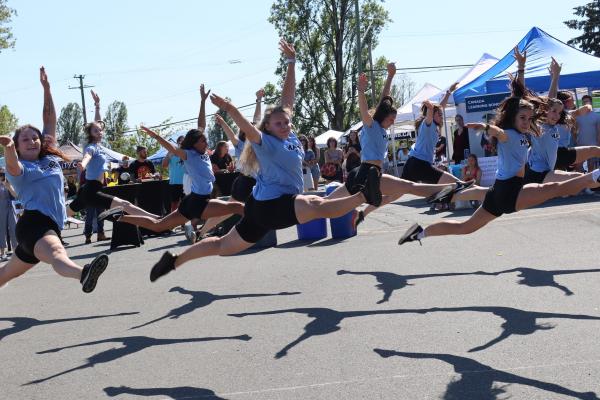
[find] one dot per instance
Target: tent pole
(394, 150)
(446, 134)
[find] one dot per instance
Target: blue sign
(484, 102)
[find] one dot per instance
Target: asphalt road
(510, 311)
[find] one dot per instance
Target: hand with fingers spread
(44, 78)
(96, 98)
(203, 94)
(520, 57)
(362, 82)
(220, 102)
(554, 68)
(6, 141)
(149, 132)
(287, 49)
(391, 69)
(260, 94)
(428, 105)
(453, 87)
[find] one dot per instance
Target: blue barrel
(312, 230)
(341, 227)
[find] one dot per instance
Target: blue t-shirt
(41, 188)
(542, 154)
(176, 170)
(427, 137)
(373, 142)
(97, 164)
(512, 154)
(565, 135)
(280, 170)
(239, 147)
(199, 168)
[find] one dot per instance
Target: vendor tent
(406, 113)
(321, 140)
(579, 69)
(71, 150)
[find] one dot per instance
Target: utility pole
(81, 87)
(372, 72)
(358, 48)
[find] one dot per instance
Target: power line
(81, 87)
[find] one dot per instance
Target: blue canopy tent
(157, 157)
(579, 70)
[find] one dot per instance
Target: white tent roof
(321, 140)
(113, 156)
(406, 113)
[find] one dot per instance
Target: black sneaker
(92, 271)
(88, 240)
(371, 189)
(165, 265)
(358, 218)
(112, 214)
(411, 234)
(445, 195)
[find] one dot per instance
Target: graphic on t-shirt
(142, 171)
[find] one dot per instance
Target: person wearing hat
(141, 167)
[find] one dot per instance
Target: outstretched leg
(534, 194)
(479, 219)
(13, 269)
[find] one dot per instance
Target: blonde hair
(249, 163)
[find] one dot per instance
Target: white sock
(596, 174)
(421, 235)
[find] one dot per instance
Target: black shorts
(241, 188)
(31, 227)
(416, 170)
(176, 192)
(90, 195)
(532, 176)
(358, 177)
(193, 205)
(565, 157)
(262, 216)
(502, 196)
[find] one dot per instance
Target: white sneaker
(588, 191)
(190, 235)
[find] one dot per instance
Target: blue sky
(153, 55)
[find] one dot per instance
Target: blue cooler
(312, 230)
(341, 227)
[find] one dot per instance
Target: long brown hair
(419, 121)
(521, 99)
(87, 129)
(45, 149)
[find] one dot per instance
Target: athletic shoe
(165, 265)
(411, 234)
(357, 218)
(190, 235)
(371, 189)
(88, 239)
(92, 271)
(112, 214)
(446, 194)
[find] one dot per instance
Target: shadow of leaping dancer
(21, 324)
(476, 381)
(390, 282)
(130, 345)
(175, 393)
(539, 278)
(201, 299)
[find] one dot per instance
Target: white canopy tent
(406, 113)
(321, 140)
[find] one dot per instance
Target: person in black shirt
(220, 159)
(123, 167)
(352, 151)
(460, 140)
(141, 167)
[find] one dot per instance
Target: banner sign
(484, 102)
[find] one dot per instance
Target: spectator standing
(460, 140)
(221, 160)
(123, 168)
(440, 147)
(8, 220)
(335, 158)
(352, 151)
(314, 168)
(588, 130)
(71, 186)
(309, 158)
(176, 171)
(141, 168)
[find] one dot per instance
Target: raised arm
(97, 116)
(554, 69)
(490, 130)
(13, 166)
(387, 87)
(581, 111)
(202, 113)
(179, 152)
(288, 92)
(429, 115)
(521, 59)
(362, 101)
(252, 132)
(48, 113)
(450, 90)
(227, 129)
(257, 109)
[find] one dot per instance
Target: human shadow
(201, 299)
(539, 278)
(324, 321)
(92, 255)
(390, 282)
(516, 322)
(175, 393)
(129, 345)
(21, 324)
(183, 242)
(477, 381)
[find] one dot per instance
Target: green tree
(6, 38)
(116, 121)
(8, 121)
(70, 124)
(323, 32)
(215, 133)
(589, 40)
